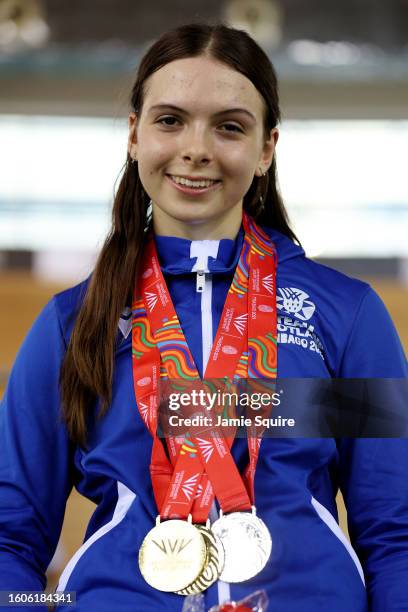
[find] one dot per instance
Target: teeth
(188, 183)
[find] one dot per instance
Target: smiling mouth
(198, 184)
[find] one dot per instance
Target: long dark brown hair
(87, 369)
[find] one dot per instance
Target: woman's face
(200, 121)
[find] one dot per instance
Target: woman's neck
(225, 226)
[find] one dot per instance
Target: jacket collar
(181, 256)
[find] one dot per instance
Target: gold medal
(172, 555)
(213, 565)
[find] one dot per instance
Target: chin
(191, 212)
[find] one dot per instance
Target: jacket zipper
(200, 281)
(204, 286)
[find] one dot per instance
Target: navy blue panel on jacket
(329, 325)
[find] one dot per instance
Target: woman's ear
(268, 151)
(132, 137)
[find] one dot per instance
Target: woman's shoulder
(67, 305)
(71, 298)
(325, 283)
(344, 313)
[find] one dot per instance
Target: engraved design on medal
(172, 555)
(247, 544)
(170, 546)
(213, 565)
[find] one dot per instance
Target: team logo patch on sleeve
(294, 311)
(295, 302)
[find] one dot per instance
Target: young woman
(201, 283)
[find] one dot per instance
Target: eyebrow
(225, 111)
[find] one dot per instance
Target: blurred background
(66, 71)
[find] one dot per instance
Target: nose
(196, 147)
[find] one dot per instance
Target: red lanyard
(244, 347)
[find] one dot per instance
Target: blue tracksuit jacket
(329, 326)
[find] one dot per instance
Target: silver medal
(247, 544)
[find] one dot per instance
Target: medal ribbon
(244, 347)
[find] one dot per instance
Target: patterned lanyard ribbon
(245, 346)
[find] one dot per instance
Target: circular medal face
(247, 544)
(172, 555)
(213, 565)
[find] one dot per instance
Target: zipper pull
(200, 281)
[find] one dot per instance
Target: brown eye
(168, 120)
(232, 127)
